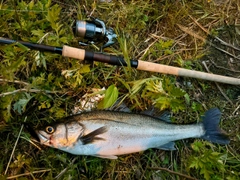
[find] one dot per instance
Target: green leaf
(53, 13)
(63, 39)
(21, 104)
(49, 2)
(187, 98)
(40, 60)
(138, 85)
(163, 102)
(194, 163)
(126, 85)
(31, 5)
(177, 92)
(25, 48)
(5, 106)
(39, 33)
(85, 68)
(110, 98)
(206, 173)
(58, 112)
(177, 104)
(53, 18)
(44, 105)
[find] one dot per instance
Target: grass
(179, 33)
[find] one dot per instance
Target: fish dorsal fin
(119, 106)
(89, 138)
(161, 115)
(106, 156)
(168, 146)
(165, 116)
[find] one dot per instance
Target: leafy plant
(163, 93)
(36, 22)
(206, 161)
(161, 48)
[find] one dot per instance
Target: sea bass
(107, 134)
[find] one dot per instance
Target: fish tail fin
(213, 133)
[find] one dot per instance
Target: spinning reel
(94, 31)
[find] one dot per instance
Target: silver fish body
(107, 134)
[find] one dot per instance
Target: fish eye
(49, 129)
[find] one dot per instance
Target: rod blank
(34, 46)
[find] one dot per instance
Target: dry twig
(220, 67)
(65, 169)
(219, 88)
(14, 81)
(190, 32)
(235, 111)
(29, 90)
(28, 173)
(172, 172)
(220, 40)
(15, 145)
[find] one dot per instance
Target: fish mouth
(37, 135)
(42, 139)
(32, 132)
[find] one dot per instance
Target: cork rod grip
(73, 52)
(153, 67)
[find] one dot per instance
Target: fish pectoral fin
(89, 138)
(168, 146)
(106, 156)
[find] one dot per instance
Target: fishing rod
(83, 54)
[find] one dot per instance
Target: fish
(108, 134)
